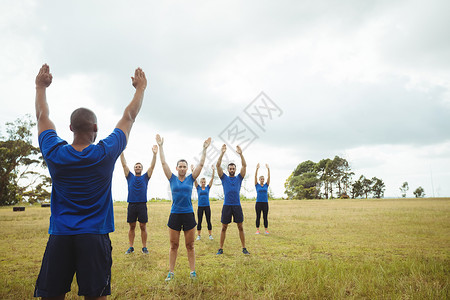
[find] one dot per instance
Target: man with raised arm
(137, 199)
(232, 203)
(81, 202)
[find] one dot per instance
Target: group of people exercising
(182, 213)
(81, 199)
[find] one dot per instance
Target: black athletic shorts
(87, 255)
(232, 210)
(185, 221)
(137, 211)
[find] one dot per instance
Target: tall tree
(366, 185)
(404, 188)
(19, 159)
(419, 192)
(303, 182)
(377, 188)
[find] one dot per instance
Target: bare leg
(241, 233)
(223, 234)
(143, 227)
(174, 237)
(189, 240)
(131, 233)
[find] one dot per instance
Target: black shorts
(137, 211)
(87, 255)
(185, 221)
(232, 210)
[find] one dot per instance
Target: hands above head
(155, 149)
(159, 140)
(207, 143)
(224, 148)
(238, 150)
(139, 81)
(192, 168)
(257, 166)
(44, 77)
(212, 167)
(267, 166)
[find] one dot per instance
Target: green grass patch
(370, 249)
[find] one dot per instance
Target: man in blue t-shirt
(81, 201)
(137, 199)
(232, 202)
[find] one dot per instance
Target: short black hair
(82, 120)
(231, 164)
(182, 160)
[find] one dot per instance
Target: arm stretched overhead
(43, 81)
(131, 111)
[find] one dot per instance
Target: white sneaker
(211, 238)
(198, 238)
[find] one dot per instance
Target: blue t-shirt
(203, 195)
(231, 189)
(261, 193)
(181, 194)
(137, 187)
(81, 200)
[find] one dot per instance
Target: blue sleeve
(115, 143)
(48, 141)
(172, 178)
(128, 176)
(240, 177)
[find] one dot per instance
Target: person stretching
(262, 199)
(137, 199)
(182, 212)
(232, 204)
(203, 203)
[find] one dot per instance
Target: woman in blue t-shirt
(203, 203)
(181, 213)
(262, 199)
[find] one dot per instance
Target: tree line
(330, 178)
(20, 179)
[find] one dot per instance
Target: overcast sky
(289, 80)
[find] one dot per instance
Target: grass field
(321, 249)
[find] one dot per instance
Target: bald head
(83, 120)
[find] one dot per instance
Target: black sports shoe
(145, 250)
(219, 252)
(244, 250)
(130, 250)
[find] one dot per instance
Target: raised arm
(43, 81)
(126, 170)
(195, 180)
(131, 111)
(268, 174)
(244, 164)
(256, 174)
(152, 164)
(165, 166)
(199, 167)
(212, 177)
(219, 161)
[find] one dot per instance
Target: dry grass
(389, 248)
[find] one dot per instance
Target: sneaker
(211, 238)
(244, 250)
(130, 250)
(145, 250)
(170, 276)
(193, 275)
(257, 232)
(267, 232)
(219, 252)
(198, 238)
